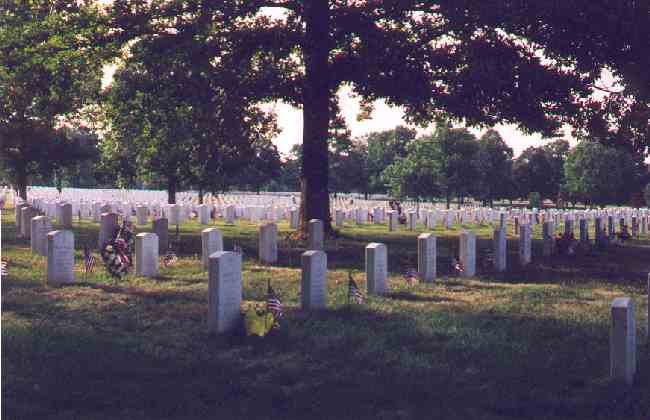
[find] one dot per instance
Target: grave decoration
(3, 268)
(89, 261)
(117, 253)
(260, 321)
(411, 276)
(456, 267)
(354, 293)
(170, 258)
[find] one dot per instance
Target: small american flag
(273, 304)
(354, 294)
(3, 268)
(170, 258)
(89, 260)
(411, 276)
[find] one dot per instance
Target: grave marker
(211, 242)
(376, 268)
(499, 248)
(268, 243)
(60, 257)
(313, 291)
(427, 257)
(622, 340)
(146, 254)
(41, 226)
(224, 292)
(467, 253)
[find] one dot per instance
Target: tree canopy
(50, 69)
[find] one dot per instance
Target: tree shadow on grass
(345, 363)
(411, 297)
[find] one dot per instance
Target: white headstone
(315, 235)
(427, 257)
(146, 254)
(60, 257)
(338, 217)
(141, 215)
(230, 214)
(377, 268)
(412, 220)
(500, 250)
(622, 340)
(224, 291)
(161, 228)
(41, 226)
(525, 245)
(268, 243)
(294, 218)
(26, 215)
(313, 292)
(65, 218)
(107, 227)
(174, 214)
(211, 241)
(204, 215)
(467, 253)
(392, 220)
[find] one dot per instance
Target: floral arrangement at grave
(260, 320)
(170, 258)
(117, 253)
(457, 268)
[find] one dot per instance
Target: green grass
(531, 343)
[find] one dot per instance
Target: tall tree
(598, 174)
(175, 113)
(494, 163)
(383, 149)
(428, 57)
(50, 69)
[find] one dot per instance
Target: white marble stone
(41, 226)
(146, 254)
(294, 218)
(427, 257)
(268, 243)
(204, 214)
(377, 268)
(161, 228)
(499, 244)
(107, 227)
(313, 292)
(224, 292)
(315, 235)
(525, 245)
(622, 340)
(65, 215)
(467, 253)
(211, 242)
(141, 215)
(60, 257)
(26, 215)
(392, 220)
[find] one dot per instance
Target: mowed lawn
(529, 344)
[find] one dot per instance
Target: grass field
(532, 343)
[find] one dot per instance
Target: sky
(386, 117)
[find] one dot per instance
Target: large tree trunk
(171, 191)
(314, 203)
(21, 184)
